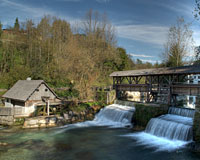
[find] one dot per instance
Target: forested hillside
(77, 57)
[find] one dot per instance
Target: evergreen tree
(16, 26)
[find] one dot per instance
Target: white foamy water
(167, 132)
(160, 143)
(114, 116)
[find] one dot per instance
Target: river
(82, 143)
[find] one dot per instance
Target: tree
(197, 56)
(98, 26)
(16, 26)
(197, 9)
(178, 44)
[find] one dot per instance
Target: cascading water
(185, 112)
(170, 131)
(177, 125)
(115, 115)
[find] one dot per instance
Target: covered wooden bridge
(157, 82)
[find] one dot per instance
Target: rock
(37, 122)
(3, 144)
(195, 147)
(66, 116)
(63, 147)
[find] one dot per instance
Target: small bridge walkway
(157, 82)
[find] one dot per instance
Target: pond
(85, 143)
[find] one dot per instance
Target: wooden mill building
(157, 83)
(26, 95)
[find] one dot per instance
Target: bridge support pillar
(196, 125)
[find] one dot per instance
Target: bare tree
(98, 26)
(178, 44)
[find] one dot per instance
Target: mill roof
(187, 70)
(23, 89)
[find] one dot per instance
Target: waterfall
(177, 125)
(115, 115)
(186, 112)
(167, 132)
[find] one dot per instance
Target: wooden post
(196, 123)
(48, 107)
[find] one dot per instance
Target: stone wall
(196, 127)
(6, 120)
(38, 122)
(74, 116)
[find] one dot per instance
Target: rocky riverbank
(68, 117)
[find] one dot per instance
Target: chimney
(28, 79)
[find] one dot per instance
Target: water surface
(82, 143)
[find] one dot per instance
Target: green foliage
(7, 80)
(72, 62)
(101, 96)
(97, 103)
(125, 63)
(78, 108)
(19, 121)
(69, 93)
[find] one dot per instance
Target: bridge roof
(184, 70)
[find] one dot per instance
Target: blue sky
(141, 25)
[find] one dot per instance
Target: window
(190, 100)
(46, 90)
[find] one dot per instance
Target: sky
(141, 25)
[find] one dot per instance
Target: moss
(19, 121)
(78, 108)
(144, 112)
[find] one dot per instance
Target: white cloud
(178, 7)
(150, 61)
(152, 34)
(140, 55)
(35, 12)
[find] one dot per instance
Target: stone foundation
(6, 120)
(144, 112)
(38, 122)
(196, 127)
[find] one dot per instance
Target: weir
(176, 125)
(115, 115)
